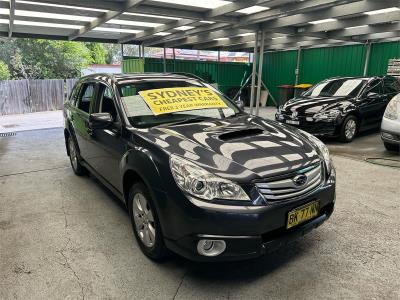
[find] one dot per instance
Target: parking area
(64, 236)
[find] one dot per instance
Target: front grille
(283, 189)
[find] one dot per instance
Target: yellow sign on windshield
(169, 100)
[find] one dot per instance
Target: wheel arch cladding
(139, 166)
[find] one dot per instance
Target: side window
(375, 87)
(74, 94)
(391, 86)
(86, 96)
(106, 102)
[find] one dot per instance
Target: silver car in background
(390, 128)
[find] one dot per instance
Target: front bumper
(308, 124)
(247, 231)
(390, 131)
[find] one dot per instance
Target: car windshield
(153, 102)
(337, 88)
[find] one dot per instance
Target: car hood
(239, 148)
(312, 105)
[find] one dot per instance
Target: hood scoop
(238, 134)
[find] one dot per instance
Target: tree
(37, 59)
(98, 52)
(4, 72)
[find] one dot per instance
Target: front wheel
(74, 158)
(349, 129)
(145, 223)
(392, 147)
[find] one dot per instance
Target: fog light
(211, 247)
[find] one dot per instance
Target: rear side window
(74, 94)
(86, 96)
(375, 87)
(391, 86)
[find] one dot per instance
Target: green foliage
(37, 59)
(98, 53)
(4, 72)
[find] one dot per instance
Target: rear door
(80, 118)
(391, 88)
(107, 145)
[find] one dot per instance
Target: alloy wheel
(144, 220)
(350, 129)
(72, 154)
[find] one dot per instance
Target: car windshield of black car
(337, 88)
(140, 114)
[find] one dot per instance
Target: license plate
(292, 122)
(302, 214)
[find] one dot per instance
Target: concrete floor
(63, 236)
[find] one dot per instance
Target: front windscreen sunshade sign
(170, 100)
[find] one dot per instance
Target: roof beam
(11, 18)
(146, 34)
(365, 30)
(104, 18)
(351, 22)
(331, 12)
(287, 8)
(205, 37)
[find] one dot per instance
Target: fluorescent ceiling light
(246, 34)
(162, 33)
(207, 22)
(121, 30)
(221, 39)
(355, 27)
(252, 9)
(278, 37)
(44, 24)
(197, 3)
(322, 21)
(151, 16)
(28, 13)
(183, 28)
(134, 23)
(59, 5)
(382, 11)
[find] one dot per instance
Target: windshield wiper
(186, 121)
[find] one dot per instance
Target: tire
(349, 129)
(392, 147)
(145, 223)
(74, 158)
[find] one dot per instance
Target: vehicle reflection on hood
(240, 148)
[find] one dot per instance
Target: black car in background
(199, 176)
(340, 107)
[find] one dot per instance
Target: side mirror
(239, 103)
(372, 95)
(100, 120)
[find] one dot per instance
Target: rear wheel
(74, 158)
(349, 129)
(392, 147)
(145, 223)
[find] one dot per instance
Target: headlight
(323, 150)
(391, 110)
(202, 184)
(327, 115)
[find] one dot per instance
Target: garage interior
(63, 236)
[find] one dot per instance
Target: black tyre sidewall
(158, 251)
(79, 170)
(343, 137)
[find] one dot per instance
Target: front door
(107, 145)
(372, 104)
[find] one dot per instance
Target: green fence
(320, 63)
(227, 75)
